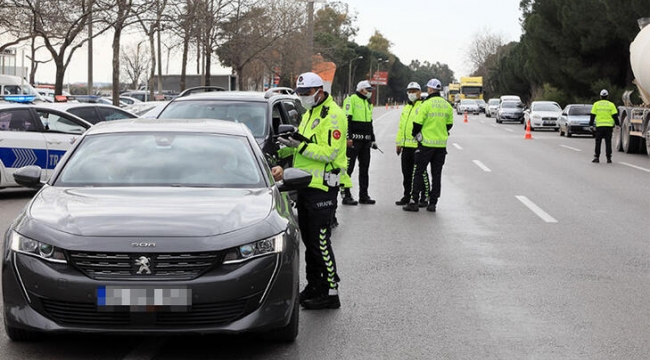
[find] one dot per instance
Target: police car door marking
(24, 157)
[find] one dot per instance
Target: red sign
(379, 78)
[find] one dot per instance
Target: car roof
(70, 105)
(236, 96)
(170, 125)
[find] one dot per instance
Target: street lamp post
(379, 62)
(350, 74)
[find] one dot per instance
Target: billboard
(379, 78)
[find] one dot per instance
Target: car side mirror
(29, 176)
(294, 179)
(286, 128)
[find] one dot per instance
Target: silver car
(469, 106)
(575, 120)
(492, 107)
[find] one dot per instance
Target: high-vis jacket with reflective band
(604, 109)
(325, 126)
(434, 115)
(404, 137)
(358, 110)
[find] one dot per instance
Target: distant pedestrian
(406, 145)
(605, 114)
(431, 126)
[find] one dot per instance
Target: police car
(92, 112)
(33, 135)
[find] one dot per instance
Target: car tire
(21, 335)
(289, 332)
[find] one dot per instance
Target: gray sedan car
(575, 120)
(155, 227)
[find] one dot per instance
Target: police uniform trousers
(360, 149)
(604, 132)
(315, 210)
(423, 157)
(408, 166)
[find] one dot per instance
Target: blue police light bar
(18, 98)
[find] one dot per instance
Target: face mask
(368, 94)
(413, 97)
(308, 101)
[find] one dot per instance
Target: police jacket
(358, 110)
(404, 136)
(324, 155)
(434, 118)
(604, 113)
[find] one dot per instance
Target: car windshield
(468, 102)
(510, 104)
(580, 110)
(546, 107)
(494, 102)
(162, 159)
(252, 114)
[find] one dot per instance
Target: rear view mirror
(29, 176)
(294, 179)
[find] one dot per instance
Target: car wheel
(21, 335)
(289, 332)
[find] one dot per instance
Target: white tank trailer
(634, 135)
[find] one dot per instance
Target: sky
(425, 30)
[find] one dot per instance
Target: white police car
(33, 135)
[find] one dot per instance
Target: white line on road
(457, 146)
(570, 148)
(509, 130)
(482, 166)
(636, 167)
(536, 209)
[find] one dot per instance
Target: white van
(15, 85)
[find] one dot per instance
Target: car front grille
(86, 314)
(549, 119)
(128, 266)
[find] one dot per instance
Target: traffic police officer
(406, 145)
(320, 150)
(361, 138)
(605, 114)
(431, 126)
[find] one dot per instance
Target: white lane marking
(636, 167)
(509, 130)
(482, 166)
(570, 148)
(536, 209)
(148, 349)
(457, 146)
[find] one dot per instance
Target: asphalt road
(534, 253)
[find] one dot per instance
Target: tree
(484, 45)
(134, 64)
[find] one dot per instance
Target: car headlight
(39, 249)
(255, 249)
(537, 117)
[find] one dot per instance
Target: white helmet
(604, 92)
(413, 86)
(434, 84)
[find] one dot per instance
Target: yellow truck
(471, 87)
(452, 91)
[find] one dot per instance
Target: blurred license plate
(143, 299)
(549, 122)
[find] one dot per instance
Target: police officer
(361, 138)
(431, 126)
(406, 145)
(320, 150)
(605, 114)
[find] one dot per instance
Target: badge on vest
(315, 123)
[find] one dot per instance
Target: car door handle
(54, 142)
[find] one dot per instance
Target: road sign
(379, 78)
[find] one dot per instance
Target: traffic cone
(465, 119)
(528, 136)
(386, 106)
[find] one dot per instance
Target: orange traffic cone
(528, 136)
(386, 106)
(465, 119)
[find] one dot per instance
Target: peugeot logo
(143, 244)
(144, 263)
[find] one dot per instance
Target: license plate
(143, 299)
(549, 123)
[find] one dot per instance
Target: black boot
(310, 291)
(403, 201)
(324, 300)
(423, 202)
(347, 198)
(366, 200)
(411, 206)
(432, 205)
(595, 160)
(609, 159)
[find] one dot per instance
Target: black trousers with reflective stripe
(423, 157)
(315, 210)
(360, 149)
(604, 132)
(408, 165)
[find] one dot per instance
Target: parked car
(262, 112)
(492, 107)
(34, 135)
(467, 105)
(152, 227)
(543, 115)
(510, 111)
(481, 105)
(510, 98)
(93, 112)
(147, 109)
(575, 120)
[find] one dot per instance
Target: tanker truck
(634, 133)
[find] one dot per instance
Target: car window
(546, 107)
(17, 120)
(163, 159)
(87, 113)
(114, 114)
(580, 110)
(252, 114)
(57, 123)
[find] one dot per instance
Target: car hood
(512, 110)
(149, 211)
(578, 118)
(546, 114)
